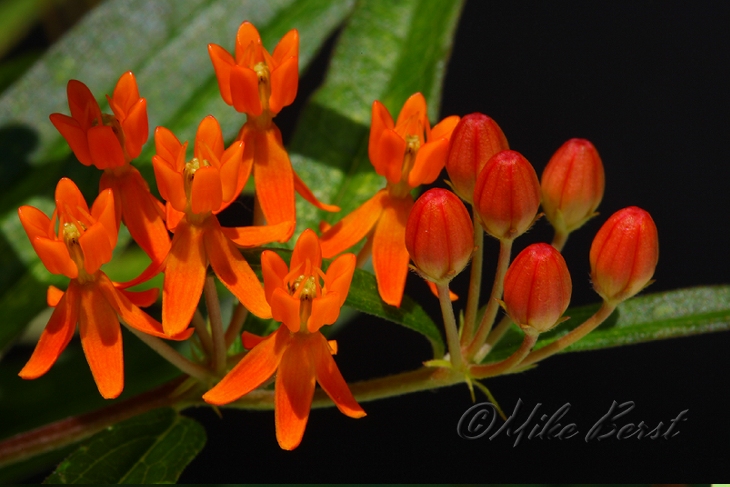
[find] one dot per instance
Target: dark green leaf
(646, 318)
(154, 447)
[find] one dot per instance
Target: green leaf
(671, 314)
(164, 43)
(154, 447)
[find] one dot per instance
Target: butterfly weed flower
(196, 191)
(260, 84)
(303, 298)
(407, 153)
(110, 142)
(75, 242)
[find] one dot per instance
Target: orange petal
(430, 160)
(249, 340)
(142, 299)
(35, 222)
(325, 311)
(387, 156)
(444, 128)
(333, 346)
(390, 256)
(131, 314)
(284, 83)
(306, 248)
(287, 47)
(294, 391)
(172, 217)
(246, 35)
(126, 93)
(54, 255)
(222, 64)
(55, 337)
(101, 339)
(206, 194)
(245, 90)
(208, 134)
(354, 227)
(307, 194)
(233, 270)
(75, 137)
(259, 235)
(168, 148)
(84, 107)
(380, 122)
(136, 129)
(170, 183)
(339, 275)
(68, 194)
(434, 290)
(53, 296)
(414, 110)
(285, 309)
(274, 270)
(330, 378)
(95, 246)
(104, 147)
(274, 177)
(185, 268)
(253, 370)
(104, 211)
(231, 163)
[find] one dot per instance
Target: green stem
(216, 324)
(576, 334)
(559, 239)
(201, 328)
(499, 368)
(238, 318)
(485, 326)
(497, 333)
(452, 334)
(475, 283)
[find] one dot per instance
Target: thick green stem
(497, 333)
(576, 334)
(559, 239)
(499, 368)
(475, 283)
(452, 334)
(216, 324)
(505, 249)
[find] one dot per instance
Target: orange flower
(260, 85)
(298, 350)
(110, 142)
(408, 153)
(196, 191)
(84, 242)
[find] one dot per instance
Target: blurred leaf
(671, 314)
(154, 447)
(16, 18)
(164, 43)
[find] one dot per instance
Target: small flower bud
(572, 185)
(507, 195)
(624, 254)
(537, 288)
(474, 141)
(439, 235)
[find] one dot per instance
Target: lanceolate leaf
(646, 318)
(154, 447)
(165, 44)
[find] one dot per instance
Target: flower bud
(439, 235)
(507, 195)
(572, 185)
(537, 288)
(474, 141)
(624, 254)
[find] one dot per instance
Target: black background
(647, 83)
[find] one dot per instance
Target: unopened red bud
(537, 288)
(572, 185)
(439, 235)
(476, 138)
(624, 254)
(507, 195)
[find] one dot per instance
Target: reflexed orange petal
(354, 227)
(259, 235)
(430, 160)
(390, 256)
(168, 148)
(325, 311)
(285, 309)
(288, 46)
(222, 64)
(35, 222)
(206, 193)
(246, 35)
(54, 255)
(95, 246)
(136, 128)
(142, 299)
(208, 134)
(294, 391)
(253, 370)
(101, 339)
(84, 107)
(170, 183)
(339, 275)
(245, 90)
(231, 182)
(444, 128)
(55, 337)
(414, 109)
(233, 270)
(307, 247)
(330, 378)
(388, 154)
(249, 340)
(104, 147)
(104, 211)
(307, 194)
(53, 296)
(126, 93)
(434, 290)
(274, 270)
(75, 137)
(274, 176)
(185, 268)
(284, 83)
